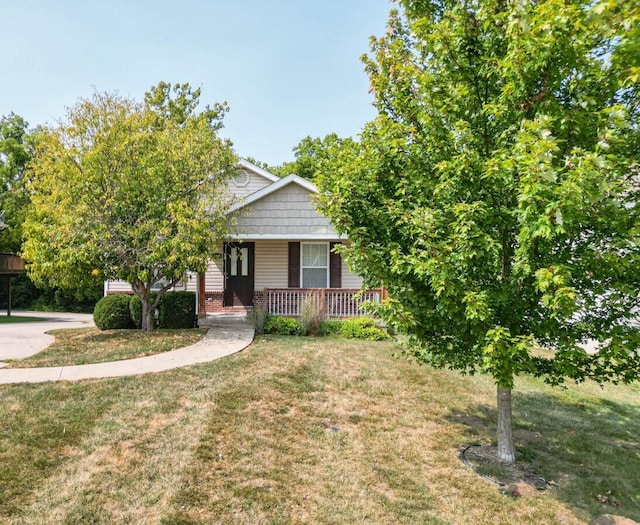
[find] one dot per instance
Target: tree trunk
(148, 316)
(506, 453)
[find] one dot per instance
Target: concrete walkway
(226, 336)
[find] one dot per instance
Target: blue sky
(287, 68)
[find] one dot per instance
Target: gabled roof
(262, 172)
(278, 184)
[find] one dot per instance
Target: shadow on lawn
(587, 448)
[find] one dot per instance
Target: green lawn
(5, 319)
(303, 430)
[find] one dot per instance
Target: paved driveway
(225, 337)
(21, 340)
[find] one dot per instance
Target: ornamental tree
(130, 191)
(496, 193)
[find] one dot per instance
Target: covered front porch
(280, 275)
(333, 303)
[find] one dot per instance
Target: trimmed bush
(362, 328)
(177, 310)
(112, 312)
(282, 326)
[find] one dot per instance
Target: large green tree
(130, 191)
(311, 154)
(15, 152)
(496, 194)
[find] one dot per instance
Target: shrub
(282, 326)
(362, 328)
(330, 327)
(112, 312)
(177, 310)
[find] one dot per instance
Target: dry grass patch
(343, 436)
(90, 345)
(123, 463)
(301, 430)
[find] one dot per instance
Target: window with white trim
(314, 267)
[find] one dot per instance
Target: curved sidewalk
(225, 337)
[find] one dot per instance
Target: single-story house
(281, 252)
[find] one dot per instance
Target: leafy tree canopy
(15, 152)
(129, 191)
(311, 154)
(496, 193)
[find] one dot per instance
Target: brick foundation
(214, 302)
(258, 298)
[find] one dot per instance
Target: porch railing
(334, 302)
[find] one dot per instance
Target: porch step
(229, 312)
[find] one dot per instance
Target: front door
(239, 266)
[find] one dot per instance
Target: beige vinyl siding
(118, 287)
(192, 282)
(271, 271)
(349, 279)
(256, 182)
(288, 211)
(189, 285)
(214, 277)
(272, 264)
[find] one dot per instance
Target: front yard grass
(301, 430)
(79, 346)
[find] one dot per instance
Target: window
(159, 285)
(241, 179)
(315, 265)
(236, 254)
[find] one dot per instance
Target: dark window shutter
(335, 267)
(294, 265)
